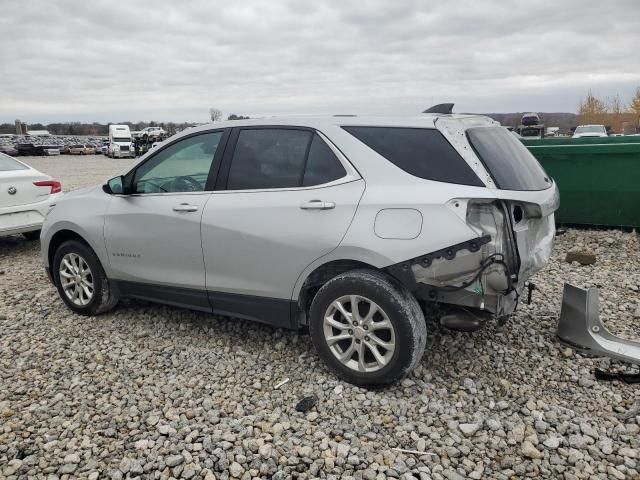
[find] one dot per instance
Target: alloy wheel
(76, 279)
(359, 333)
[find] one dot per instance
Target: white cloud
(167, 60)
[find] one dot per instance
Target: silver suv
(346, 226)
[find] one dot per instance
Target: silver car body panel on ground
(579, 325)
(266, 244)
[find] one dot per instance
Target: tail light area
(54, 185)
(482, 277)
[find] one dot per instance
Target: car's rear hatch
(515, 177)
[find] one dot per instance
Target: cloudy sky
(172, 60)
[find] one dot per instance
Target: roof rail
(446, 108)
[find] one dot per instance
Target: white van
(120, 142)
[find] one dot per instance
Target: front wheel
(369, 330)
(80, 279)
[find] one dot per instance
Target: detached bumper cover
(579, 326)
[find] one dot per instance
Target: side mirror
(114, 186)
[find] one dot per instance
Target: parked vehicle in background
(530, 118)
(530, 126)
(89, 149)
(29, 149)
(533, 132)
(583, 131)
(51, 149)
(120, 142)
(9, 149)
(26, 195)
(270, 220)
(77, 149)
(152, 134)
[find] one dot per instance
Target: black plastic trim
(404, 273)
(272, 311)
(443, 108)
(280, 313)
(177, 296)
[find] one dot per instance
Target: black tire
(34, 235)
(402, 310)
(104, 297)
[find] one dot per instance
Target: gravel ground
(150, 391)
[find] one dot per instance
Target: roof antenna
(446, 108)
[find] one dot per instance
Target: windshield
(590, 129)
(7, 163)
(125, 140)
(509, 162)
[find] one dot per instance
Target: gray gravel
(149, 391)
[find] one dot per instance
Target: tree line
(611, 111)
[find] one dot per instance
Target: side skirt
(178, 297)
(277, 312)
(272, 311)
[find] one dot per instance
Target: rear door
(285, 197)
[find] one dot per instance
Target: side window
(422, 152)
(181, 167)
(322, 164)
(268, 158)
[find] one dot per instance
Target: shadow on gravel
(15, 245)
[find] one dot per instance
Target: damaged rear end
(513, 223)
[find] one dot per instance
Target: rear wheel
(80, 279)
(369, 330)
(34, 235)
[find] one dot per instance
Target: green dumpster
(598, 178)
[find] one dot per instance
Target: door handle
(317, 205)
(185, 207)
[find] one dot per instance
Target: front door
(152, 233)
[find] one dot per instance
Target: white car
(156, 133)
(583, 131)
(26, 195)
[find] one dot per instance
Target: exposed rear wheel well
(58, 239)
(322, 275)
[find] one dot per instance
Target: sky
(107, 61)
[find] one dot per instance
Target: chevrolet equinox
(349, 227)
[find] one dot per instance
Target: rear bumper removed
(580, 326)
(487, 272)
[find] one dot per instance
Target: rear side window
(509, 162)
(422, 152)
(281, 158)
(322, 165)
(7, 163)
